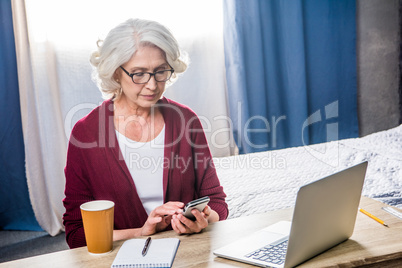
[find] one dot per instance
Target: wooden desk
(372, 245)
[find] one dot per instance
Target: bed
(266, 181)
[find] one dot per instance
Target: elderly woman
(146, 153)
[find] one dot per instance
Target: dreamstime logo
(323, 153)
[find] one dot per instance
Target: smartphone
(195, 204)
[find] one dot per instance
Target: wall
(378, 38)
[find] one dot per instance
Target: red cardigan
(96, 169)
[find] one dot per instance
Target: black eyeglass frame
(150, 75)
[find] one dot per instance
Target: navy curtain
(291, 72)
(15, 207)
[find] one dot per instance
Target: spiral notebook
(161, 253)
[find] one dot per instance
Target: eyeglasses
(144, 77)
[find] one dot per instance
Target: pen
(146, 246)
(373, 217)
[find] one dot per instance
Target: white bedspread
(260, 182)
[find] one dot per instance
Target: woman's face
(146, 59)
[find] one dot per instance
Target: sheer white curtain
(54, 40)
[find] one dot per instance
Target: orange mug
(97, 217)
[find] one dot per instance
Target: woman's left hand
(183, 225)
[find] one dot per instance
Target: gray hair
(120, 45)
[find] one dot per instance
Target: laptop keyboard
(271, 253)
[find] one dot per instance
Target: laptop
(324, 216)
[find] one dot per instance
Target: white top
(145, 163)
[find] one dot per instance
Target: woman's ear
(116, 76)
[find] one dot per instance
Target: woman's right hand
(160, 217)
